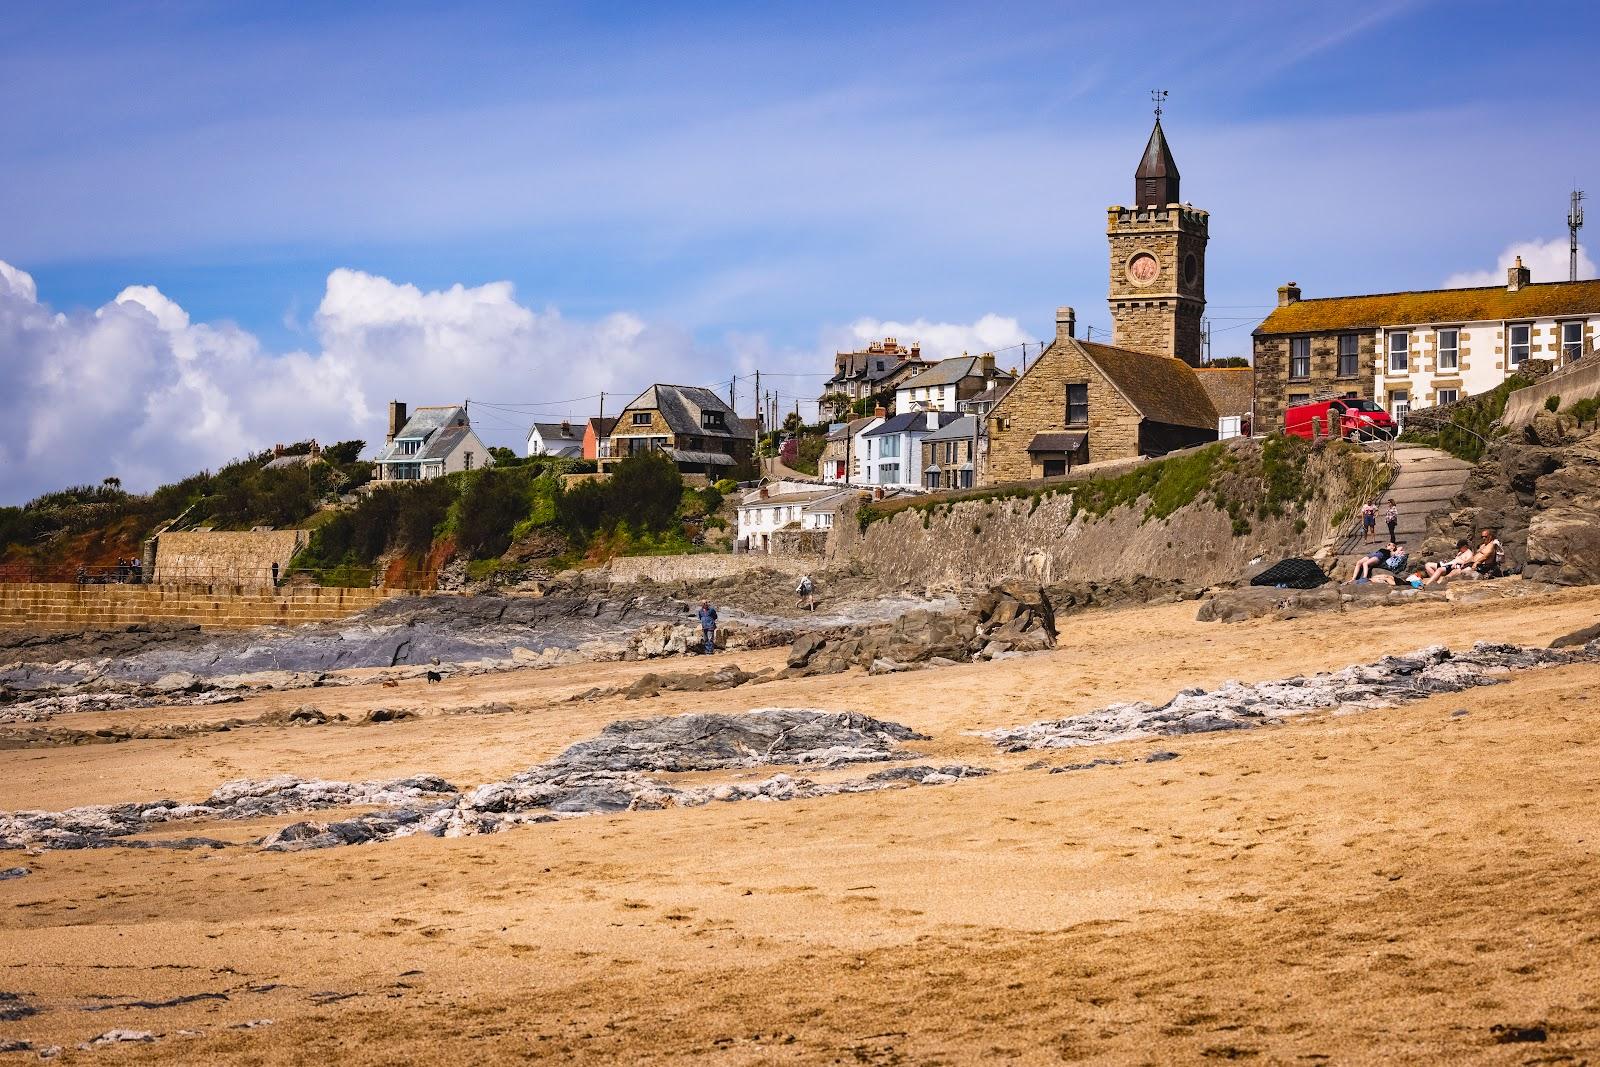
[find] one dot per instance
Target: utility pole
(1574, 224)
(758, 402)
(600, 436)
(735, 378)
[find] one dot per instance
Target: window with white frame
(1399, 403)
(1449, 349)
(1446, 396)
(1519, 338)
(1571, 340)
(1349, 355)
(1299, 357)
(1399, 352)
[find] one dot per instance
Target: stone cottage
(1082, 402)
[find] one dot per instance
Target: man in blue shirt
(708, 625)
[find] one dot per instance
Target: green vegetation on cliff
(1261, 483)
(1465, 428)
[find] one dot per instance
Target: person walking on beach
(806, 591)
(1369, 521)
(708, 625)
(1391, 517)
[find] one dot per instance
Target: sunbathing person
(1490, 559)
(1438, 573)
(1377, 558)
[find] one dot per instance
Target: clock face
(1191, 268)
(1143, 269)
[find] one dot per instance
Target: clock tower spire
(1158, 252)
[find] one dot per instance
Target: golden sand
(1382, 886)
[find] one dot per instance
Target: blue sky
(754, 179)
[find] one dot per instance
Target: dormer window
(409, 447)
(711, 420)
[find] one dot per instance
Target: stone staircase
(67, 605)
(1428, 480)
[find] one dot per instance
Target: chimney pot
(1288, 294)
(1066, 323)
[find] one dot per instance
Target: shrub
(1552, 404)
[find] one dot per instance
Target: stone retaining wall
(1579, 381)
(701, 567)
(236, 558)
(67, 605)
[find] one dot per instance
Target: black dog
(434, 676)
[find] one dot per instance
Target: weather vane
(1160, 97)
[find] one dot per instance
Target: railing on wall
(288, 580)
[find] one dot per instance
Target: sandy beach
(1387, 885)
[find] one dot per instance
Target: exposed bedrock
(614, 771)
(1390, 681)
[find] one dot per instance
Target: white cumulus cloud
(1547, 260)
(139, 390)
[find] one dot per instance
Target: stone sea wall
(987, 540)
(64, 605)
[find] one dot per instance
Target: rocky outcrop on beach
(1390, 681)
(1015, 616)
(617, 770)
(99, 825)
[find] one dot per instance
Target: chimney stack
(1066, 323)
(1518, 276)
(397, 420)
(880, 412)
(1288, 294)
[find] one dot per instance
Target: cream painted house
(1418, 349)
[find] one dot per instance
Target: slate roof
(849, 429)
(1487, 304)
(555, 434)
(756, 500)
(436, 427)
(911, 420)
(681, 407)
(946, 372)
(1161, 388)
(992, 395)
(1231, 389)
(1057, 441)
(865, 365)
(1157, 161)
(960, 429)
(831, 502)
(602, 426)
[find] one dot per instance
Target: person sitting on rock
(1490, 559)
(1365, 564)
(1398, 556)
(1439, 573)
(806, 592)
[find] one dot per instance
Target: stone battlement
(65, 605)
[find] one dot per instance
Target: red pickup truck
(1350, 417)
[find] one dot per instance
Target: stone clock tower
(1158, 261)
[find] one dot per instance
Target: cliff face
(1198, 519)
(1539, 489)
